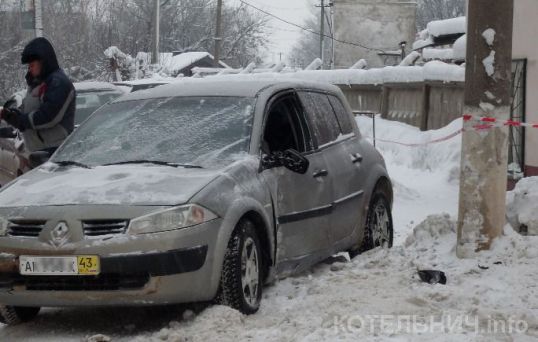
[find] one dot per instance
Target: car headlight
(170, 219)
(3, 226)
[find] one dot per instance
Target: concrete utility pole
(322, 33)
(218, 32)
(156, 32)
(485, 153)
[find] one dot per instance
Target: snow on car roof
(223, 86)
(92, 85)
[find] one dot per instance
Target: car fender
(234, 194)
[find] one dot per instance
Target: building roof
(175, 63)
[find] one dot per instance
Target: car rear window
(322, 118)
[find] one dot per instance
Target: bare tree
(429, 10)
(81, 30)
(306, 49)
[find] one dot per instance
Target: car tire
(379, 229)
(241, 279)
(12, 315)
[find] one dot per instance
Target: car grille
(104, 227)
(25, 228)
(103, 282)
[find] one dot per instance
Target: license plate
(68, 265)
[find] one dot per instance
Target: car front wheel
(12, 315)
(379, 230)
(241, 280)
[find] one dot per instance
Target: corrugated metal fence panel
(445, 104)
(363, 98)
(430, 105)
(405, 104)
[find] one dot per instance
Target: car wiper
(156, 162)
(71, 163)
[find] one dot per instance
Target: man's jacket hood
(40, 48)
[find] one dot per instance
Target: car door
(302, 202)
(338, 147)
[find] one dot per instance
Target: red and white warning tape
(488, 122)
(483, 123)
(448, 137)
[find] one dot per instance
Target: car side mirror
(291, 159)
(38, 158)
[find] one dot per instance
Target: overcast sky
(283, 35)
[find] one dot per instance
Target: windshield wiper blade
(71, 163)
(156, 162)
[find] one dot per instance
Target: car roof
(224, 86)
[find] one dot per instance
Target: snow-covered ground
(375, 297)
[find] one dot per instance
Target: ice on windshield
(205, 131)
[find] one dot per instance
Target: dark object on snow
(432, 276)
(483, 267)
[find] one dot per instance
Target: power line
(309, 30)
(278, 7)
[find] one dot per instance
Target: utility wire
(309, 30)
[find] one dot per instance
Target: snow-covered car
(91, 96)
(192, 192)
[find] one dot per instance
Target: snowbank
(364, 299)
(521, 206)
(425, 178)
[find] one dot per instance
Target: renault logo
(60, 234)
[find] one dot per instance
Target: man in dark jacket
(47, 114)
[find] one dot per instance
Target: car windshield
(89, 102)
(204, 132)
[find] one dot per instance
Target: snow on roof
(91, 85)
(460, 48)
(432, 71)
(439, 54)
(422, 43)
(447, 27)
(179, 62)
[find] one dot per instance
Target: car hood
(120, 184)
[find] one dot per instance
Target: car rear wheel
(241, 280)
(379, 230)
(12, 315)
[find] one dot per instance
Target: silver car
(197, 191)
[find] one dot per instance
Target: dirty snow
(375, 297)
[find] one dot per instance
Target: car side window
(285, 128)
(341, 114)
(321, 116)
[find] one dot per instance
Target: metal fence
(426, 105)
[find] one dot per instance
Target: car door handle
(356, 158)
(320, 173)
